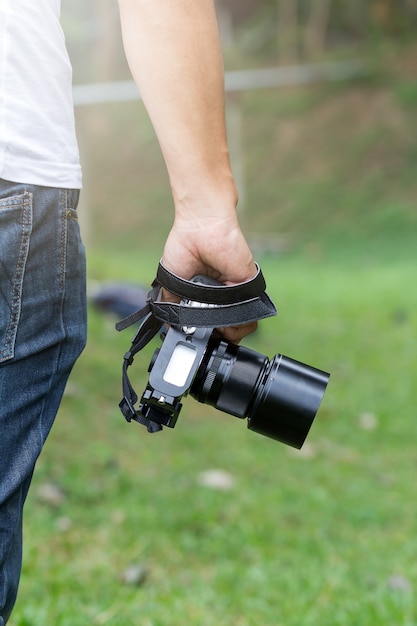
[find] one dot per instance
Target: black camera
(279, 397)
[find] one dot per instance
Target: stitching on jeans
(25, 202)
(64, 201)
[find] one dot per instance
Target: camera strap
(227, 305)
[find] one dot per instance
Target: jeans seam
(16, 296)
(64, 236)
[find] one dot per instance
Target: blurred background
(343, 151)
(210, 524)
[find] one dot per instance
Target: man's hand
(214, 247)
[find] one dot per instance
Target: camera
(279, 397)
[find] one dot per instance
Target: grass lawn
(121, 527)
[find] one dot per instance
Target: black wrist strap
(231, 305)
(211, 293)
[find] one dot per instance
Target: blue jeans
(42, 332)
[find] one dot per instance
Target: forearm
(174, 53)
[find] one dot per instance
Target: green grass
(324, 536)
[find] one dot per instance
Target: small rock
(51, 494)
(135, 575)
(217, 479)
(399, 583)
(64, 523)
(368, 421)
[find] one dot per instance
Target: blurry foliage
(275, 31)
(94, 40)
(305, 30)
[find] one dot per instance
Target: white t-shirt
(37, 130)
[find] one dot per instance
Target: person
(174, 53)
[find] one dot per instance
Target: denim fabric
(42, 332)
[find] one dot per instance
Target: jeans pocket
(16, 217)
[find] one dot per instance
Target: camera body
(173, 369)
(279, 397)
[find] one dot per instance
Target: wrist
(205, 191)
(211, 203)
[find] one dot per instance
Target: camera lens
(280, 397)
(228, 376)
(287, 400)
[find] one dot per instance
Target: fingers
(215, 248)
(235, 334)
(167, 296)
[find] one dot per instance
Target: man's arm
(173, 49)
